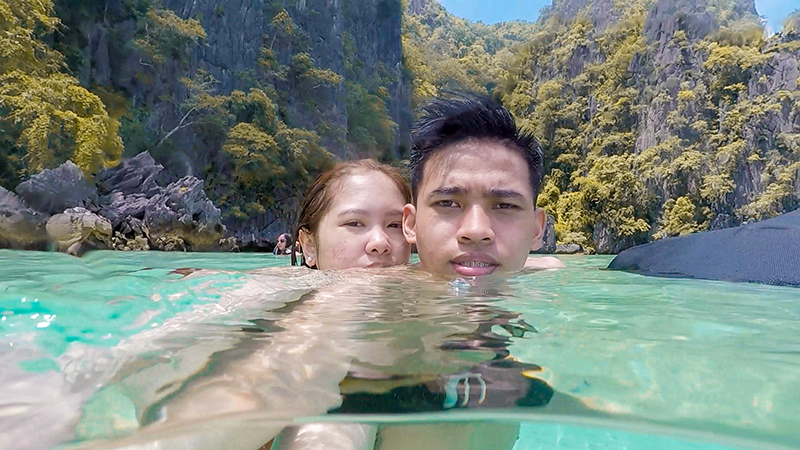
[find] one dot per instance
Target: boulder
(183, 218)
(137, 175)
(549, 237)
(568, 249)
(761, 252)
(77, 230)
(20, 228)
(131, 234)
(52, 191)
(118, 207)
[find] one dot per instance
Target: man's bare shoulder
(543, 262)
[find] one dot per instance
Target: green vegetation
(645, 137)
(46, 116)
(643, 140)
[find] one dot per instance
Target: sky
(493, 11)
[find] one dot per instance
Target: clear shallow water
(120, 341)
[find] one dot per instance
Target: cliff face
(660, 118)
(141, 60)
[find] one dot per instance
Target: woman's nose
(378, 242)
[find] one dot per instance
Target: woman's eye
(353, 223)
(395, 225)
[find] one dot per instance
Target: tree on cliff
(46, 117)
(657, 118)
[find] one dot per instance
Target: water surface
(122, 343)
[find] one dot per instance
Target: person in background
(282, 247)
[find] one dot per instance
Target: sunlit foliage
(46, 117)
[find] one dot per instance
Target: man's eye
(447, 204)
(506, 206)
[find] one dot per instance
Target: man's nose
(476, 227)
(378, 242)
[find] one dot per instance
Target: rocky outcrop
(137, 175)
(568, 249)
(134, 212)
(762, 252)
(183, 218)
(549, 237)
(52, 191)
(20, 227)
(608, 242)
(78, 230)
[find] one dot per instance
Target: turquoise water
(120, 339)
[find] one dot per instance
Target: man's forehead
(488, 164)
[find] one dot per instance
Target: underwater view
(204, 350)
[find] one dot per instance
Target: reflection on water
(135, 352)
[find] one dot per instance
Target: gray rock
(549, 238)
(607, 241)
(77, 230)
(20, 228)
(568, 249)
(722, 221)
(118, 207)
(183, 218)
(137, 175)
(131, 234)
(52, 191)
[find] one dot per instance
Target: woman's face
(282, 242)
(363, 227)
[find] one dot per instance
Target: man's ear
(309, 248)
(540, 221)
(410, 223)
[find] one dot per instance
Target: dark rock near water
(609, 242)
(761, 252)
(568, 249)
(722, 221)
(20, 228)
(134, 212)
(118, 207)
(183, 218)
(136, 175)
(54, 190)
(549, 237)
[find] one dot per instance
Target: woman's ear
(309, 248)
(410, 223)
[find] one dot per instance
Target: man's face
(474, 214)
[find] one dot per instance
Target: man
(474, 182)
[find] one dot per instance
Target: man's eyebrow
(504, 193)
(447, 191)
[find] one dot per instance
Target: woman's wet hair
(320, 195)
(463, 116)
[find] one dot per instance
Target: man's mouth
(474, 265)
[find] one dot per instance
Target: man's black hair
(464, 116)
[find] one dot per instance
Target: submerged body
(658, 351)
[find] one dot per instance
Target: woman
(282, 246)
(352, 217)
